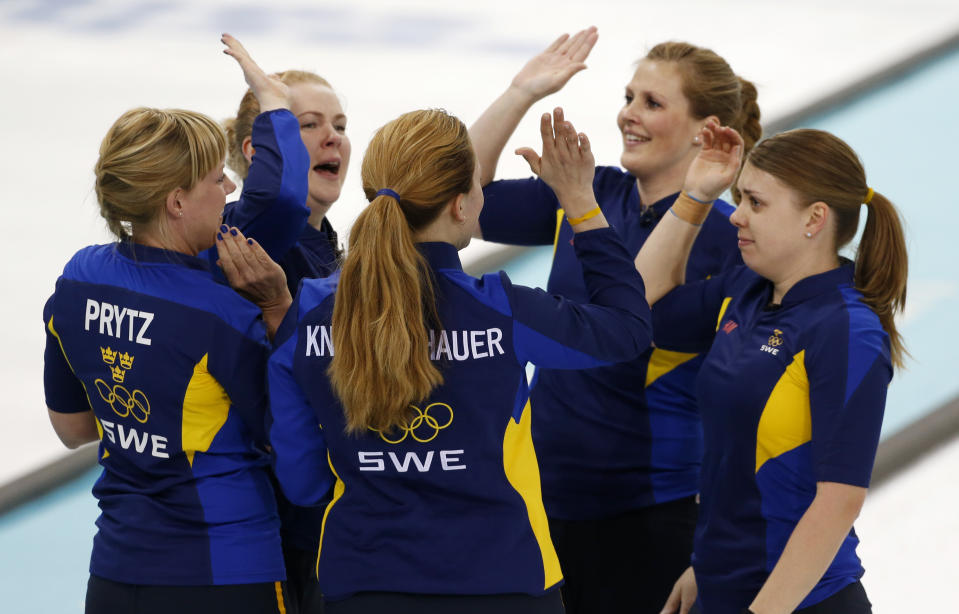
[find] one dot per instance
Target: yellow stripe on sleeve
(522, 471)
(338, 489)
(786, 422)
(722, 311)
(664, 361)
(206, 407)
(559, 223)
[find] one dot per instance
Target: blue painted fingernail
(233, 231)
(219, 237)
(249, 241)
(223, 228)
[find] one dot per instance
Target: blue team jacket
(272, 206)
(172, 364)
(624, 436)
(791, 395)
(451, 503)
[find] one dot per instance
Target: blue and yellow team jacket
(450, 504)
(272, 206)
(172, 364)
(272, 209)
(619, 437)
(791, 395)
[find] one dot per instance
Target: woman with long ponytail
(402, 381)
(802, 345)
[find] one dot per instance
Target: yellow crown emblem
(776, 339)
(109, 356)
(126, 361)
(118, 374)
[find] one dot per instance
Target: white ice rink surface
(68, 68)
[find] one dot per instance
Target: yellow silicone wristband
(589, 215)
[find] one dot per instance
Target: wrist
(517, 94)
(690, 210)
(695, 195)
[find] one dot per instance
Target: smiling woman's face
(656, 124)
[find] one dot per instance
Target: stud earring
(809, 235)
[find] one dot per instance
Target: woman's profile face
(771, 224)
(472, 207)
(655, 122)
(202, 208)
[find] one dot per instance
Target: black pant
(402, 603)
(301, 585)
(626, 563)
(109, 597)
(850, 600)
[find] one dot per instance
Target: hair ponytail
(385, 302)
(747, 121)
(385, 297)
(882, 267)
(821, 167)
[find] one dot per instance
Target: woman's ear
(174, 207)
(818, 217)
(248, 149)
(458, 208)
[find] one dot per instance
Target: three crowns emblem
(118, 372)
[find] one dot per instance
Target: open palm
(715, 168)
(549, 71)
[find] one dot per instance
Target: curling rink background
(70, 67)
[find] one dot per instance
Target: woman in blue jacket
(421, 416)
(305, 246)
(801, 348)
(149, 353)
(620, 446)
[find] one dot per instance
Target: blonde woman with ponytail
(401, 381)
(802, 344)
(620, 448)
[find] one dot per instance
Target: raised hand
(715, 168)
(270, 92)
(567, 163)
(550, 70)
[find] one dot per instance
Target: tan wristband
(690, 210)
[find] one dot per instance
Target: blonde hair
(822, 167)
(385, 302)
(147, 153)
(241, 126)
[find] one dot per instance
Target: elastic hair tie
(868, 198)
(388, 192)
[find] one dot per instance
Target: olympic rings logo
(424, 427)
(135, 403)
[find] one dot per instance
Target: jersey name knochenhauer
(444, 344)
